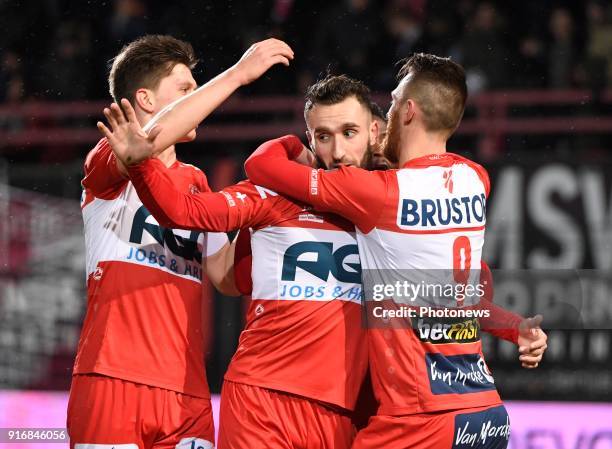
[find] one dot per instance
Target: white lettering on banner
(571, 207)
(548, 182)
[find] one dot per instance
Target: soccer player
(434, 389)
(139, 377)
(302, 356)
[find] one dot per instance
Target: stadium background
(539, 118)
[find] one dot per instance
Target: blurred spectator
(66, 71)
(599, 47)
(348, 38)
(483, 50)
(562, 54)
(11, 79)
(531, 63)
(403, 32)
(11, 87)
(128, 22)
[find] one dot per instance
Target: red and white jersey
(144, 283)
(428, 215)
(303, 333)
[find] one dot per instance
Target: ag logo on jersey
(187, 248)
(320, 259)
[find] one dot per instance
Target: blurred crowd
(60, 49)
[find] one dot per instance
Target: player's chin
(190, 136)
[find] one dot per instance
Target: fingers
(274, 47)
(110, 117)
(538, 345)
(117, 113)
(104, 130)
(129, 111)
(279, 60)
(529, 365)
(530, 359)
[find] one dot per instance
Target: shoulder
(479, 169)
(101, 152)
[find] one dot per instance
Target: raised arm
(352, 192)
(174, 121)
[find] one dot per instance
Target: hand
(260, 57)
(531, 341)
(127, 139)
(306, 157)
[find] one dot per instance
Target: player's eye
(323, 137)
(350, 133)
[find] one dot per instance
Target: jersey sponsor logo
(465, 210)
(184, 247)
(448, 180)
(188, 260)
(326, 261)
(449, 330)
(489, 428)
(306, 259)
(458, 374)
(314, 182)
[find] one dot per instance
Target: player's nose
(338, 151)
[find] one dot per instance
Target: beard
(374, 159)
(390, 145)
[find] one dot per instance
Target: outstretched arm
(507, 325)
(354, 193)
(176, 120)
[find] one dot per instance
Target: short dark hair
(377, 111)
(438, 86)
(334, 89)
(144, 62)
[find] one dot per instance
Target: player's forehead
(180, 75)
(332, 117)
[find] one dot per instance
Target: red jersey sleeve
(500, 323)
(354, 193)
(234, 207)
(102, 176)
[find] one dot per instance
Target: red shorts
(104, 412)
(482, 427)
(257, 418)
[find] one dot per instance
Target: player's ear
(145, 100)
(374, 131)
(410, 112)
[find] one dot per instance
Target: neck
(421, 144)
(168, 156)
